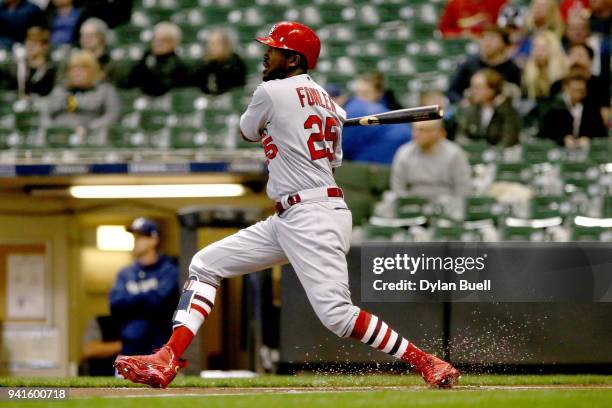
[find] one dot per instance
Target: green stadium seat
(63, 137)
(481, 208)
(353, 175)
(513, 172)
(121, 137)
(523, 234)
(378, 179)
(607, 207)
(475, 150)
(581, 233)
(376, 232)
(27, 120)
(184, 100)
(360, 203)
(187, 137)
(410, 207)
(153, 120)
(538, 151)
(600, 150)
(548, 206)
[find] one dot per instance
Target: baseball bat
(418, 114)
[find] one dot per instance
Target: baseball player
(300, 129)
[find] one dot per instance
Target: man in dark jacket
(493, 53)
(161, 69)
(569, 119)
(222, 69)
(145, 293)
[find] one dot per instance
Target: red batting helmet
(289, 35)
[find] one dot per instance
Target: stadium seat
(121, 137)
(513, 172)
(378, 179)
(63, 137)
(153, 120)
(482, 208)
(360, 203)
(600, 150)
(549, 206)
(410, 207)
(538, 151)
(379, 233)
(580, 233)
(187, 138)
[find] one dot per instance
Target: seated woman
(489, 114)
(83, 101)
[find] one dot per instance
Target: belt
(308, 195)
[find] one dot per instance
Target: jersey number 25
(325, 135)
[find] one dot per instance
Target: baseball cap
(144, 226)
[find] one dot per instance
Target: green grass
(312, 381)
(424, 398)
(410, 397)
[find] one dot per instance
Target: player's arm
(257, 115)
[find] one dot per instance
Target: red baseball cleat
(156, 370)
(438, 373)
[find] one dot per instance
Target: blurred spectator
(83, 102)
(450, 118)
(64, 20)
(94, 35)
(32, 72)
(568, 7)
(570, 121)
(544, 15)
(222, 69)
(100, 346)
(580, 58)
(372, 144)
(113, 12)
(430, 166)
(160, 69)
(601, 17)
(578, 32)
(546, 64)
(16, 16)
(493, 53)
(468, 17)
(490, 115)
(371, 87)
(145, 293)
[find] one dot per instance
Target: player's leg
(315, 238)
(249, 250)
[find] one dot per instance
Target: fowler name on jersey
(300, 129)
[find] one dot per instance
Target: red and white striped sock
(195, 305)
(371, 330)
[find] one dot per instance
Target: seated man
(569, 119)
(160, 69)
(222, 68)
(430, 166)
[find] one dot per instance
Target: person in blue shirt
(16, 16)
(371, 144)
(145, 293)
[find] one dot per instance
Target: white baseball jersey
(300, 129)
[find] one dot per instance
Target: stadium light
(114, 238)
(158, 191)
